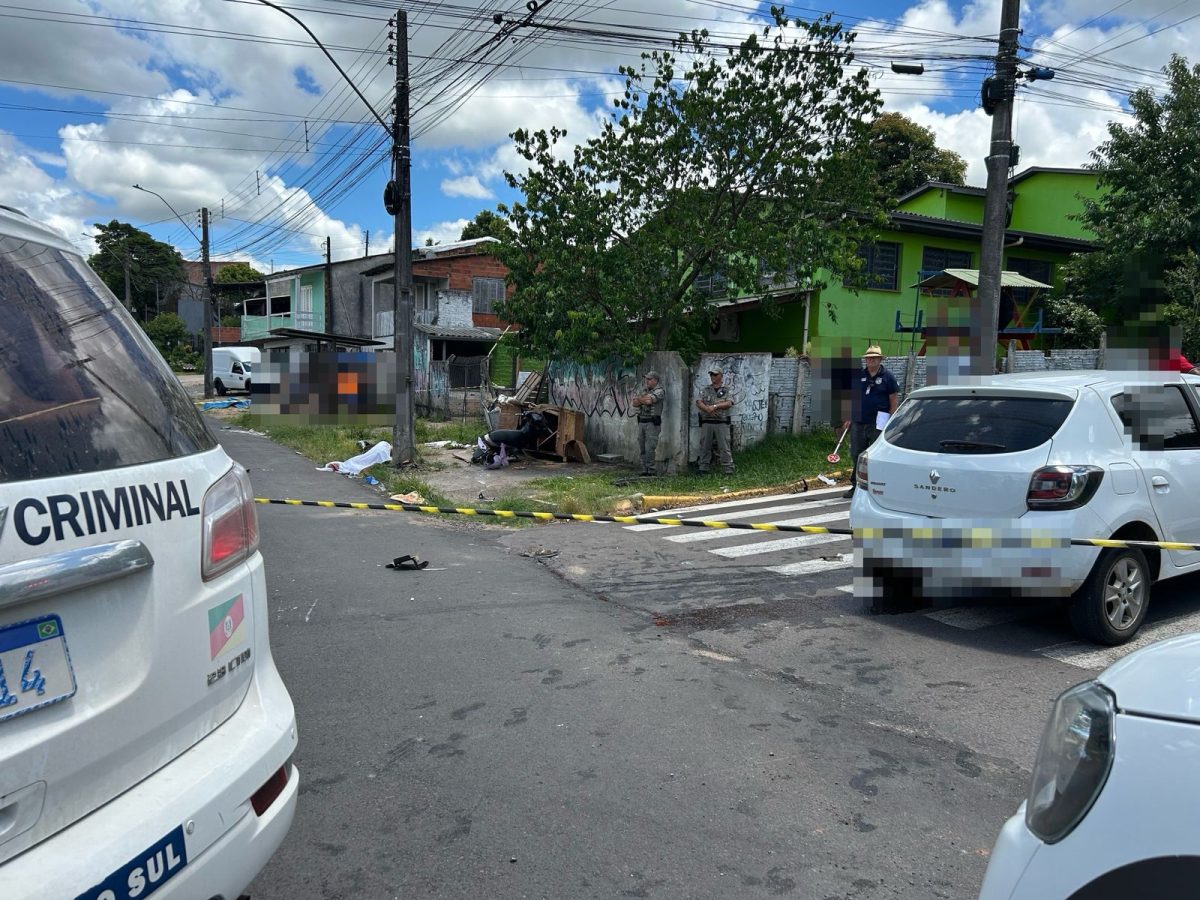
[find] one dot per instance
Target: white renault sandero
(1002, 472)
(145, 735)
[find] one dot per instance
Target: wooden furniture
(565, 437)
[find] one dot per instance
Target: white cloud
(441, 232)
(466, 186)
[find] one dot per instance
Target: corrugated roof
(950, 277)
(459, 333)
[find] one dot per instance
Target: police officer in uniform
(649, 405)
(714, 405)
(875, 391)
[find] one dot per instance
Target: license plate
(35, 668)
(145, 873)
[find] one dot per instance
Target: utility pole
(402, 430)
(328, 288)
(208, 304)
(367, 249)
(998, 93)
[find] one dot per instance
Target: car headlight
(1073, 761)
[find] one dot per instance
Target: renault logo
(934, 477)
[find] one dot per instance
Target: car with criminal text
(1111, 809)
(1005, 471)
(146, 738)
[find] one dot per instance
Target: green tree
(908, 156)
(135, 266)
(1147, 217)
(486, 224)
(234, 284)
(168, 332)
(716, 161)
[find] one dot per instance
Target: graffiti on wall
(594, 389)
(748, 377)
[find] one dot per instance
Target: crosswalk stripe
(812, 566)
(846, 588)
(792, 543)
(692, 536)
(744, 514)
(1089, 656)
(687, 511)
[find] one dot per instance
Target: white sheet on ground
(381, 452)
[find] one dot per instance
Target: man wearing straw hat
(875, 393)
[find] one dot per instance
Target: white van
(146, 738)
(232, 368)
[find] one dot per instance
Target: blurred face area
(872, 363)
(717, 378)
(651, 383)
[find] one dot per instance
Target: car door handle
(46, 576)
(1160, 482)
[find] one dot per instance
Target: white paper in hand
(881, 419)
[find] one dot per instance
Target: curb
(666, 501)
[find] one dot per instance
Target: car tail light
(230, 524)
(1063, 487)
(262, 799)
(860, 471)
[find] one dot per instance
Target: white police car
(1111, 811)
(1056, 456)
(145, 735)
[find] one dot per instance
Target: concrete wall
(602, 392)
(454, 309)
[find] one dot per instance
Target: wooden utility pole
(208, 304)
(998, 92)
(402, 430)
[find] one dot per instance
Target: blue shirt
(872, 394)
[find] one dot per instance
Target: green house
(294, 299)
(935, 227)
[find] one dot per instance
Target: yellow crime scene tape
(987, 538)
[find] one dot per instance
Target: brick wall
(461, 271)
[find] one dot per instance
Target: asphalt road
(618, 715)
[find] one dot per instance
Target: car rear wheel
(1110, 606)
(219, 386)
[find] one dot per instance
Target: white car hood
(1161, 680)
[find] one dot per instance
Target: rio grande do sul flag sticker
(226, 626)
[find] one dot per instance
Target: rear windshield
(81, 387)
(976, 424)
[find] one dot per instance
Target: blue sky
(226, 103)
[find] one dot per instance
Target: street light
(208, 291)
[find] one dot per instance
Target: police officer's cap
(715, 372)
(652, 374)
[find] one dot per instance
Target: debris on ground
(485, 499)
(412, 498)
(450, 445)
(410, 563)
(539, 553)
(225, 404)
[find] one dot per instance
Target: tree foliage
(154, 269)
(486, 224)
(908, 156)
(715, 161)
(1147, 217)
(238, 272)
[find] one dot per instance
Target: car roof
(1064, 381)
(14, 223)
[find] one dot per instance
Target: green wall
(315, 280)
(1046, 200)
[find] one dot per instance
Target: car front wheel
(1110, 606)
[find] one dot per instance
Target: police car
(145, 734)
(1112, 803)
(1036, 461)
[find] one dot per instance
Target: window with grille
(937, 259)
(711, 284)
(881, 265)
(487, 293)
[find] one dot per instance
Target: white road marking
(804, 540)
(709, 534)
(812, 566)
(712, 534)
(721, 516)
(729, 504)
(846, 588)
(1090, 656)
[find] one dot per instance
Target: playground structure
(950, 296)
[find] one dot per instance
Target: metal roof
(459, 333)
(950, 277)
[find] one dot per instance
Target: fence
(458, 388)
